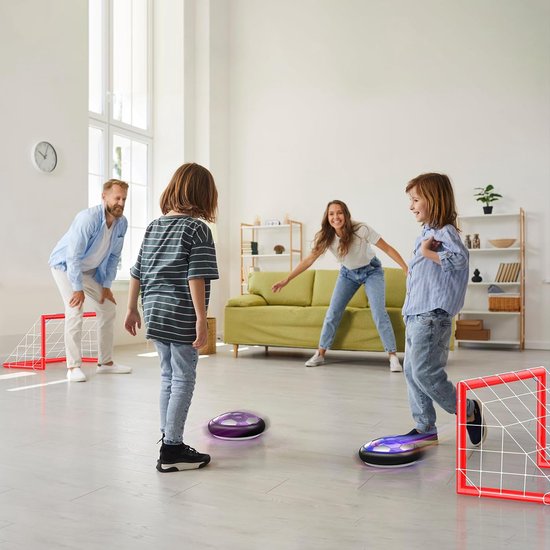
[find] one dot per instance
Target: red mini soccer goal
(512, 462)
(45, 343)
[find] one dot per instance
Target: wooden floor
(77, 462)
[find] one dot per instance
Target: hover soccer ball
(236, 426)
(391, 452)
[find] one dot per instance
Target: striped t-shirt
(174, 250)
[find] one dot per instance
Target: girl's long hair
(437, 190)
(326, 234)
(191, 191)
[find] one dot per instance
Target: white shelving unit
(288, 235)
(507, 327)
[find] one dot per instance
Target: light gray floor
(77, 463)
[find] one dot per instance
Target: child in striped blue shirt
(436, 287)
(175, 265)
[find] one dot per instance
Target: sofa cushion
(296, 293)
(396, 287)
(325, 280)
(246, 300)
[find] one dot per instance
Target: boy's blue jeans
(349, 280)
(426, 351)
(178, 364)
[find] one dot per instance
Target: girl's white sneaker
(316, 361)
(395, 365)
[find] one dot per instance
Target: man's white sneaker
(75, 375)
(395, 365)
(316, 361)
(113, 369)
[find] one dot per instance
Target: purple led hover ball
(392, 451)
(236, 426)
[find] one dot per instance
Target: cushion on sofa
(325, 280)
(296, 293)
(246, 300)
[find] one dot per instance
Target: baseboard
(534, 344)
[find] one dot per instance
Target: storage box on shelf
(471, 329)
(263, 246)
(501, 262)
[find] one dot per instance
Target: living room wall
(291, 104)
(351, 99)
(44, 90)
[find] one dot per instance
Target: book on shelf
(508, 272)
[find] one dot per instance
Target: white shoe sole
(314, 364)
(76, 379)
(180, 466)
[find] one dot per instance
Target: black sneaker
(174, 458)
(477, 429)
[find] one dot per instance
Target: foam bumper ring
(236, 425)
(391, 452)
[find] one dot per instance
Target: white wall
(290, 104)
(351, 99)
(43, 90)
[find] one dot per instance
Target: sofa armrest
(246, 300)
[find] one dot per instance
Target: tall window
(120, 131)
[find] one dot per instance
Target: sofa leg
(235, 350)
(266, 350)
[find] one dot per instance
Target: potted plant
(487, 195)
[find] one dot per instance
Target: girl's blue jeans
(426, 351)
(178, 364)
(349, 280)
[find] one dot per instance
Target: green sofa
(293, 318)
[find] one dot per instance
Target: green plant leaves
(486, 195)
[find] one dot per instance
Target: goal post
(44, 343)
(512, 463)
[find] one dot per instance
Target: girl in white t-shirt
(350, 242)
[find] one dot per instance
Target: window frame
(105, 121)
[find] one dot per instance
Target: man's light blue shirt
(431, 285)
(79, 242)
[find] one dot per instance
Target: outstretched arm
(300, 268)
(392, 253)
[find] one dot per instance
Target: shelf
(284, 255)
(487, 312)
(508, 325)
(494, 283)
(509, 249)
(510, 342)
(488, 216)
(282, 225)
(287, 237)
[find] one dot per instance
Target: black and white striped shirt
(174, 250)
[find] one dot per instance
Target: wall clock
(44, 157)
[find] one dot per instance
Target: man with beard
(84, 264)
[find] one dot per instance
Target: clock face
(44, 156)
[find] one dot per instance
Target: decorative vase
(476, 243)
(476, 278)
(487, 209)
(468, 241)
